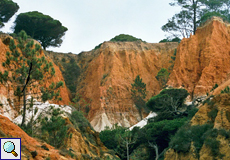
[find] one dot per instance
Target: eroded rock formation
(6, 93)
(106, 79)
(203, 59)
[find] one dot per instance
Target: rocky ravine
(203, 59)
(107, 74)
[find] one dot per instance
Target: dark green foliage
(45, 147)
(63, 60)
(181, 142)
(108, 137)
(192, 112)
(54, 130)
(176, 39)
(199, 135)
(209, 15)
(228, 115)
(226, 90)
(140, 153)
(194, 13)
(41, 27)
(168, 104)
(214, 145)
(7, 9)
(170, 68)
(162, 77)
(31, 70)
(214, 87)
(212, 114)
(160, 132)
(70, 74)
(79, 121)
(34, 154)
(98, 46)
(52, 91)
(179, 25)
(117, 139)
(224, 133)
(80, 103)
(138, 93)
(124, 38)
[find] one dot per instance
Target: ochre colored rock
(28, 143)
(8, 92)
(107, 74)
(79, 144)
(203, 59)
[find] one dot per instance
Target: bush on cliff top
(124, 38)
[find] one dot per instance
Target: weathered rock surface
(9, 129)
(106, 79)
(107, 74)
(7, 92)
(203, 59)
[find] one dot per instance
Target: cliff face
(78, 144)
(203, 59)
(107, 74)
(28, 144)
(6, 93)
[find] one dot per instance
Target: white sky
(91, 22)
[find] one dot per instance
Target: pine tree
(139, 93)
(26, 70)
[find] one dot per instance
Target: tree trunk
(194, 16)
(127, 147)
(24, 107)
(156, 151)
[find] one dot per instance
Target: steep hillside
(79, 145)
(6, 93)
(212, 143)
(203, 59)
(9, 129)
(107, 74)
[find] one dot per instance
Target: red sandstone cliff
(8, 93)
(203, 59)
(107, 74)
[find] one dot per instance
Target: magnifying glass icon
(9, 147)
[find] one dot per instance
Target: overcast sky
(91, 22)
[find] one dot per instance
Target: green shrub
(124, 38)
(181, 142)
(162, 77)
(224, 133)
(214, 145)
(176, 39)
(54, 130)
(214, 87)
(63, 60)
(98, 46)
(71, 73)
(192, 112)
(212, 114)
(226, 90)
(228, 115)
(169, 102)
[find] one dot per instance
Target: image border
(1, 150)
